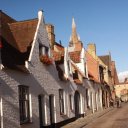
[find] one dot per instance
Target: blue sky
(103, 22)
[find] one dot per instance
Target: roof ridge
(23, 21)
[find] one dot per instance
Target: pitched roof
(75, 56)
(19, 34)
(106, 59)
(91, 77)
(23, 34)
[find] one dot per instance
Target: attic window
(43, 50)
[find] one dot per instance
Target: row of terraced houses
(44, 84)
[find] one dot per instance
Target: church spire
(73, 23)
(74, 37)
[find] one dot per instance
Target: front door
(41, 99)
(77, 104)
(52, 109)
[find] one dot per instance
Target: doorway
(42, 111)
(52, 109)
(77, 104)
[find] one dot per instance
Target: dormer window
(43, 50)
(44, 55)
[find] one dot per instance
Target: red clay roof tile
(75, 56)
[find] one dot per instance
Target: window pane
(61, 97)
(24, 103)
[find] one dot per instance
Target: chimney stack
(91, 48)
(51, 35)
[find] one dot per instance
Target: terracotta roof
(23, 34)
(16, 38)
(107, 60)
(91, 77)
(19, 34)
(75, 56)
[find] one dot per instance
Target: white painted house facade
(31, 93)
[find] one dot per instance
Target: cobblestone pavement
(107, 118)
(80, 123)
(117, 118)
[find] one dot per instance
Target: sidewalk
(87, 119)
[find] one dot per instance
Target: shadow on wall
(20, 78)
(6, 89)
(36, 84)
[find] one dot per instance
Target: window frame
(24, 104)
(43, 50)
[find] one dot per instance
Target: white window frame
(24, 99)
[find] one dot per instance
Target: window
(75, 75)
(24, 104)
(101, 74)
(71, 101)
(43, 50)
(42, 110)
(61, 98)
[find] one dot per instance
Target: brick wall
(92, 66)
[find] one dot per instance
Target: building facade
(42, 83)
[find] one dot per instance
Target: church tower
(74, 38)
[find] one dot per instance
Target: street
(117, 118)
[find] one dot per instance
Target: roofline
(25, 21)
(7, 15)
